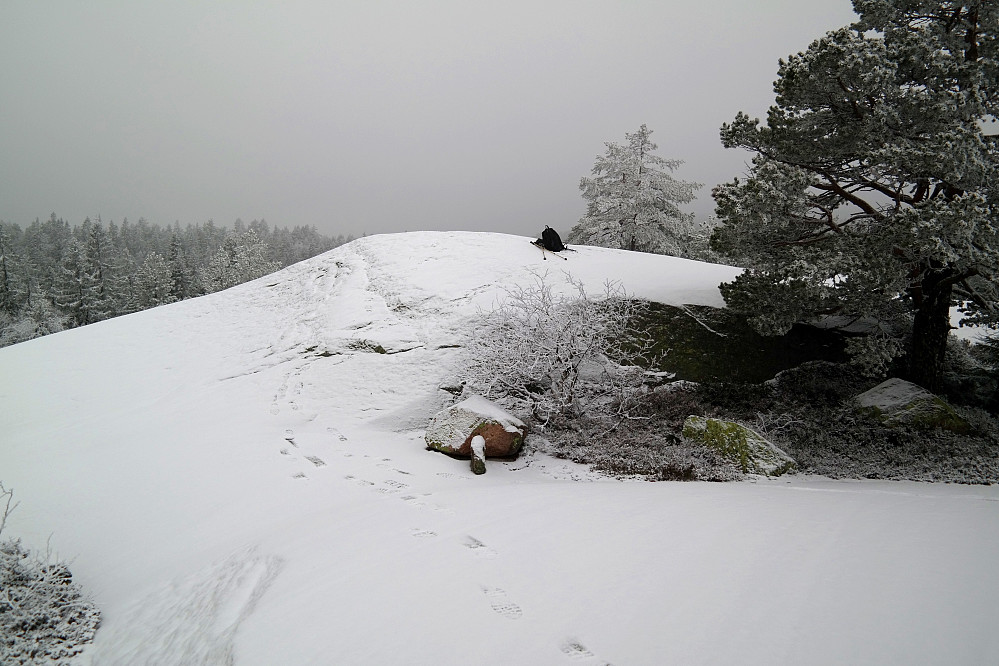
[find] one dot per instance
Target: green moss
(923, 412)
(704, 344)
(751, 452)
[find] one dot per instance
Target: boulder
(743, 446)
(451, 431)
(898, 402)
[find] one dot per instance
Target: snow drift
(242, 477)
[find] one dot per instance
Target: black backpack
(550, 239)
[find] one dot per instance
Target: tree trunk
(930, 329)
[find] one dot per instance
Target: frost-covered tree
(558, 355)
(241, 258)
(103, 263)
(874, 189)
(154, 282)
(183, 283)
(74, 290)
(633, 201)
(14, 278)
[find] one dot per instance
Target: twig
(694, 317)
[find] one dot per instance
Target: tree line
(55, 276)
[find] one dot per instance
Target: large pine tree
(874, 187)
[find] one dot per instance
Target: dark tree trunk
(930, 329)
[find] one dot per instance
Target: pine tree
(241, 258)
(14, 277)
(182, 276)
(154, 282)
(633, 201)
(101, 273)
(874, 189)
(74, 290)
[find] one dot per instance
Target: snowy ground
(241, 476)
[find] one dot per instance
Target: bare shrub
(559, 356)
(44, 617)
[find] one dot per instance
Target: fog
(371, 117)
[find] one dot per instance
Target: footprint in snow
(360, 482)
(315, 460)
(417, 501)
(449, 475)
(576, 651)
(334, 431)
(384, 465)
(480, 549)
(289, 436)
(299, 475)
(392, 487)
(501, 605)
(423, 534)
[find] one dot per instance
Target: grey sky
(371, 116)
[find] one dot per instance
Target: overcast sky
(371, 116)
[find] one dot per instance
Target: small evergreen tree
(633, 201)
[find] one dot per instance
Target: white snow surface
(476, 404)
(229, 495)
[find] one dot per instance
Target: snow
(476, 404)
(243, 477)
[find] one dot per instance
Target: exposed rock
(478, 455)
(451, 431)
(743, 446)
(898, 402)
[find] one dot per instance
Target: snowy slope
(241, 476)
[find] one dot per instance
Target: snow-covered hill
(243, 476)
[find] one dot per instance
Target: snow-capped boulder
(898, 402)
(743, 446)
(451, 431)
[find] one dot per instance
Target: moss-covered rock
(743, 446)
(898, 402)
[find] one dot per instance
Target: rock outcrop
(898, 402)
(743, 446)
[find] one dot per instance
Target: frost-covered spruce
(633, 201)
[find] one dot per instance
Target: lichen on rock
(898, 402)
(743, 446)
